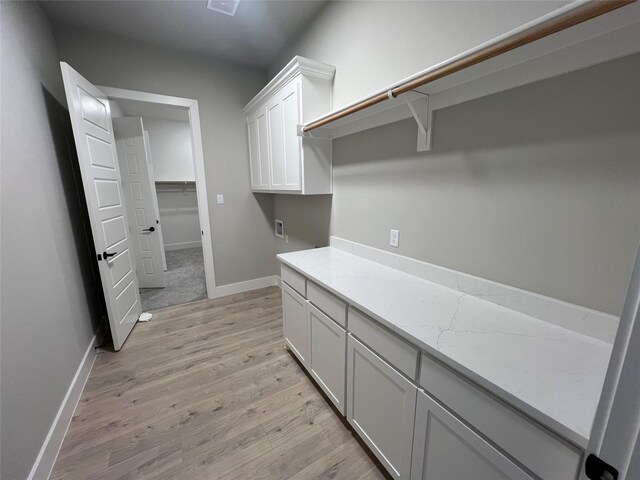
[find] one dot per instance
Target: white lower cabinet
(444, 448)
(529, 444)
(381, 406)
(368, 372)
(295, 323)
(327, 355)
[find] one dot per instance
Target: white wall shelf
(607, 37)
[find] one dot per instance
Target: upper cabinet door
(292, 142)
(254, 153)
(276, 143)
(263, 148)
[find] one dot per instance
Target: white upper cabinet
(280, 160)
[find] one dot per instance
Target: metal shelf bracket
(421, 111)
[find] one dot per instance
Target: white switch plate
(220, 199)
(394, 238)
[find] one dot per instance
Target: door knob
(106, 255)
(150, 229)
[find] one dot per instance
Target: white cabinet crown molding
(297, 65)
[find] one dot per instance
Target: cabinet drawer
(294, 280)
(328, 303)
(381, 407)
(530, 444)
(327, 355)
(396, 351)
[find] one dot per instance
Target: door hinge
(597, 469)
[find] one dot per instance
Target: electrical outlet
(220, 199)
(394, 238)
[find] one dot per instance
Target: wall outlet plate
(220, 199)
(394, 238)
(279, 228)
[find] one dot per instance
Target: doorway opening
(162, 200)
(105, 191)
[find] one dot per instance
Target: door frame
(198, 159)
(616, 426)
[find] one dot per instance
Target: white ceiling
(257, 32)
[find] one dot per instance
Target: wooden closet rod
(575, 16)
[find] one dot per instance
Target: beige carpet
(185, 281)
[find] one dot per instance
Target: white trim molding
(298, 65)
(224, 290)
(198, 160)
(53, 442)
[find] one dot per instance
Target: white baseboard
(182, 245)
(224, 290)
(49, 452)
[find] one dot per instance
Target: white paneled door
(154, 196)
(139, 194)
(95, 143)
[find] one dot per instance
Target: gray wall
(306, 221)
(243, 245)
(537, 187)
(171, 150)
(47, 280)
(376, 43)
(179, 217)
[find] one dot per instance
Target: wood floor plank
(206, 390)
(286, 459)
(345, 462)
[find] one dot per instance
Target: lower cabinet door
(381, 407)
(327, 355)
(444, 448)
(295, 323)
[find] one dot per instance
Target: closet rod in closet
(567, 19)
(175, 182)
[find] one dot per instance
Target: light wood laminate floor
(206, 391)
